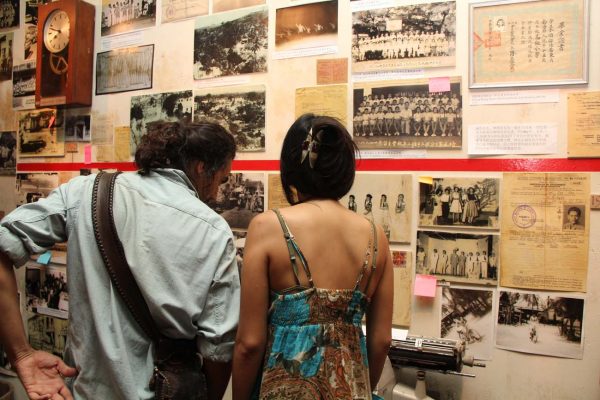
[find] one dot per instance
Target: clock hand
(54, 29)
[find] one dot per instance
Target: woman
(310, 273)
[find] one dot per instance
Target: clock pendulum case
(65, 54)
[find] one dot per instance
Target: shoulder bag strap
(113, 254)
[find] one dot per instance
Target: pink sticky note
(425, 285)
(87, 154)
(439, 85)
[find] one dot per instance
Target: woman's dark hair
(177, 145)
(331, 175)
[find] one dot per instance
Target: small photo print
(9, 14)
(241, 198)
(6, 56)
(306, 26)
(574, 217)
(8, 153)
(126, 16)
(77, 128)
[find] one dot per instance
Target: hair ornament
(310, 147)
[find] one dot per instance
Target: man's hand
(42, 376)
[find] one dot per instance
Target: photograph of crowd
(406, 115)
(226, 5)
(241, 109)
(9, 14)
(124, 70)
(229, 44)
(540, 323)
(6, 56)
(41, 133)
(170, 106)
(306, 26)
(23, 79)
(8, 153)
(77, 128)
(384, 199)
(34, 186)
(458, 257)
(47, 333)
(464, 202)
(120, 16)
(46, 289)
(241, 198)
(411, 36)
(467, 316)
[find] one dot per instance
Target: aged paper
(104, 153)
(403, 274)
(323, 100)
(522, 43)
(122, 143)
(584, 124)
(276, 197)
(545, 231)
(488, 139)
(332, 71)
(102, 127)
(174, 10)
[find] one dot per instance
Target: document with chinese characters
(584, 124)
(491, 139)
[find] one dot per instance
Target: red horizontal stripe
(411, 164)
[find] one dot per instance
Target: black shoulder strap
(113, 254)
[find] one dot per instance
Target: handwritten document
(584, 124)
(332, 71)
(323, 100)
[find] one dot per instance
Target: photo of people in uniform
(459, 202)
(410, 36)
(306, 26)
(458, 257)
(407, 115)
(241, 198)
(120, 16)
(9, 14)
(6, 56)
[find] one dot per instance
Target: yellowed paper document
(545, 229)
(104, 153)
(403, 273)
(122, 135)
(276, 198)
(323, 100)
(584, 124)
(332, 71)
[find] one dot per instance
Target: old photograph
(9, 14)
(33, 186)
(54, 296)
(33, 286)
(23, 79)
(540, 323)
(6, 56)
(227, 5)
(241, 198)
(229, 44)
(410, 36)
(574, 217)
(305, 26)
(407, 115)
(459, 202)
(467, 316)
(120, 16)
(31, 21)
(240, 109)
(239, 242)
(170, 106)
(458, 257)
(41, 133)
(384, 199)
(8, 152)
(77, 127)
(47, 333)
(124, 70)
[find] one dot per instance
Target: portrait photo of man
(573, 220)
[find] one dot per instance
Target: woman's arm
(379, 313)
(252, 331)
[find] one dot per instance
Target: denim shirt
(182, 256)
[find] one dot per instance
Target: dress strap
(295, 253)
(372, 241)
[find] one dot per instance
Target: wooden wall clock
(65, 54)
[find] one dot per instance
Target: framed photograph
(410, 36)
(459, 202)
(126, 16)
(241, 198)
(458, 257)
(124, 70)
(407, 114)
(528, 43)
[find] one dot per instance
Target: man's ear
(199, 168)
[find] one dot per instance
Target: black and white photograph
(170, 106)
(241, 109)
(467, 316)
(41, 133)
(411, 36)
(227, 5)
(9, 14)
(574, 217)
(306, 26)
(233, 43)
(47, 333)
(23, 78)
(77, 127)
(458, 257)
(6, 56)
(241, 198)
(124, 70)
(459, 202)
(239, 242)
(8, 152)
(385, 199)
(540, 323)
(120, 16)
(33, 286)
(31, 21)
(407, 115)
(54, 296)
(30, 187)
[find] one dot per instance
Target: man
(434, 260)
(454, 262)
(442, 263)
(573, 216)
(180, 252)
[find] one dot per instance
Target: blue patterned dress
(316, 348)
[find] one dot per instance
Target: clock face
(56, 31)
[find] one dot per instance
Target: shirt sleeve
(35, 227)
(219, 319)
